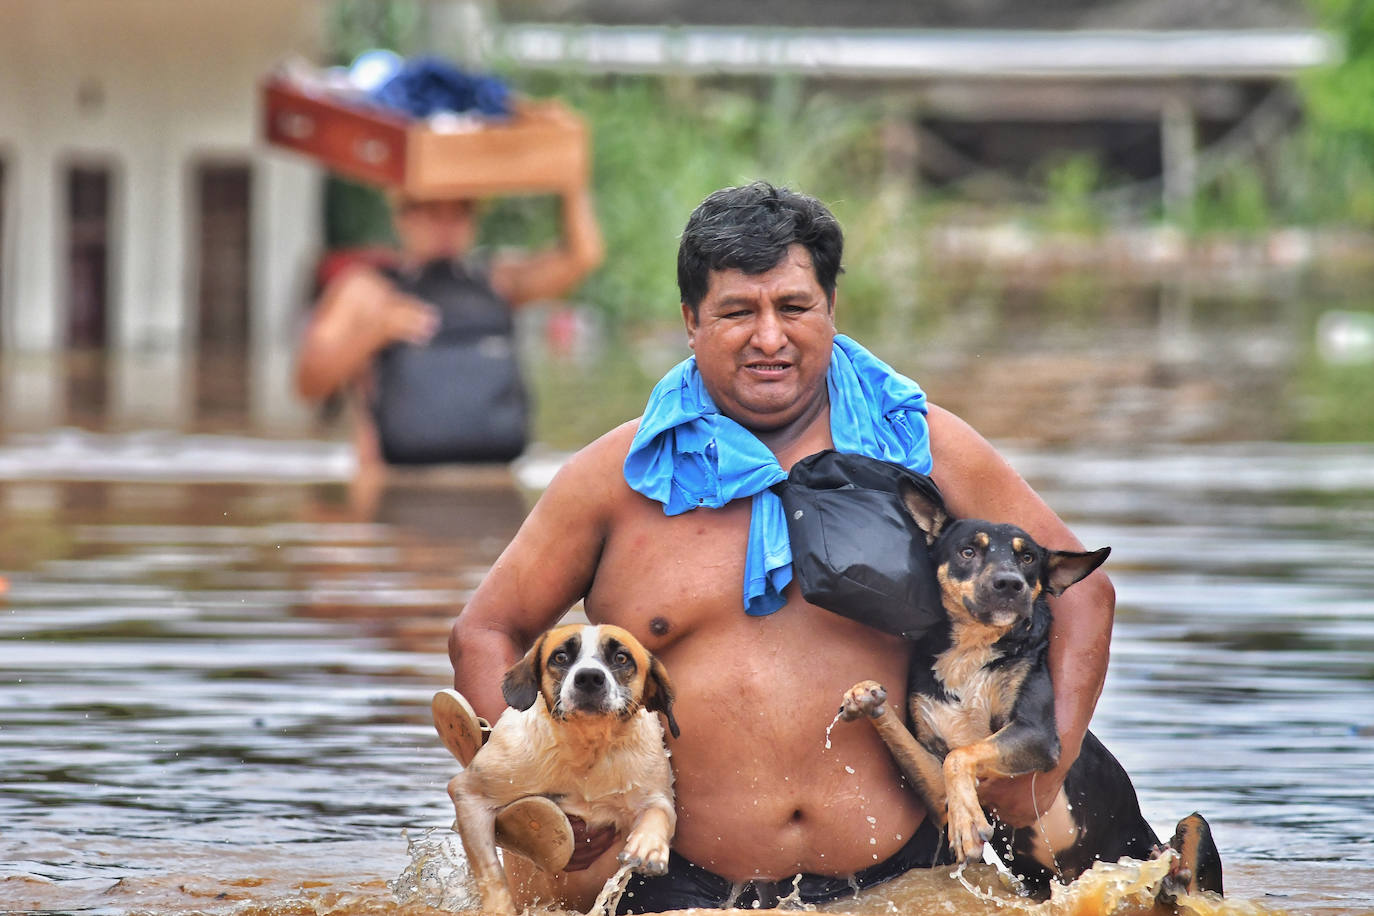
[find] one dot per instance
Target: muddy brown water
(215, 694)
(216, 661)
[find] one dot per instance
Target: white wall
(148, 86)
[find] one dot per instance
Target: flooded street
(216, 662)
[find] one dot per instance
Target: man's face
(433, 229)
(762, 342)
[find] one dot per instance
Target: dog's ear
(1067, 567)
(520, 686)
(929, 513)
(658, 693)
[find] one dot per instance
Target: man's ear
(520, 686)
(1067, 567)
(689, 318)
(930, 514)
(658, 693)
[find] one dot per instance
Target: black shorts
(688, 885)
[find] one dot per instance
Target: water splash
(438, 874)
(833, 722)
(793, 899)
(611, 891)
(1125, 888)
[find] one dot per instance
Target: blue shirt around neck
(688, 455)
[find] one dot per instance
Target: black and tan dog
(581, 730)
(982, 705)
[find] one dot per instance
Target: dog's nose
(1008, 583)
(589, 679)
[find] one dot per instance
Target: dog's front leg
(646, 848)
(1019, 747)
(475, 821)
(968, 827)
(920, 766)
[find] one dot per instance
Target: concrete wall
(147, 88)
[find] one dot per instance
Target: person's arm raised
(520, 278)
(977, 482)
(543, 572)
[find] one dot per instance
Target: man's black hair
(749, 228)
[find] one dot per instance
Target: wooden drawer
(543, 147)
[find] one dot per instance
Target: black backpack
(459, 397)
(855, 550)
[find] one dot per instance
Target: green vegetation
(1071, 184)
(662, 143)
(1336, 402)
(354, 26)
(1329, 166)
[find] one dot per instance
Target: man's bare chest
(661, 576)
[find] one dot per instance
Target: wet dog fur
(581, 730)
(981, 702)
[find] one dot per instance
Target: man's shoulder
(612, 445)
(599, 466)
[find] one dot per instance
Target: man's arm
(977, 482)
(522, 278)
(358, 314)
(545, 570)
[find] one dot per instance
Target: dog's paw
(865, 698)
(648, 855)
(968, 831)
(1197, 866)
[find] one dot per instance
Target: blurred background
(1170, 199)
(1132, 241)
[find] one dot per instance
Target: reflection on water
(216, 656)
(216, 694)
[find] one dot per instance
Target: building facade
(140, 213)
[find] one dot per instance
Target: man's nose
(769, 334)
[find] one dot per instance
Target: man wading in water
(635, 529)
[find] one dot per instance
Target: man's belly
(759, 794)
(768, 783)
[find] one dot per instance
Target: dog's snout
(1008, 583)
(589, 679)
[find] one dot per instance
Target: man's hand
(588, 847)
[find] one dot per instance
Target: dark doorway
(223, 214)
(88, 256)
(3, 211)
(89, 191)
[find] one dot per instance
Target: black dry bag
(855, 550)
(459, 397)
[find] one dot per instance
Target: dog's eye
(1027, 559)
(561, 657)
(966, 553)
(621, 658)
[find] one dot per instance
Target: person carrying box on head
(424, 348)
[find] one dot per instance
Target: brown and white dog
(581, 730)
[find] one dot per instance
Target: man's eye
(966, 553)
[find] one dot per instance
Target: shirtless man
(361, 312)
(760, 797)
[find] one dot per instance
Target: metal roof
(908, 53)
